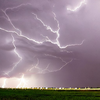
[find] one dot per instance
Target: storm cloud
(49, 45)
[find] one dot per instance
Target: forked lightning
(19, 33)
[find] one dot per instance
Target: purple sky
(49, 43)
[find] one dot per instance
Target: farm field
(48, 94)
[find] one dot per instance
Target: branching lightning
(65, 63)
(61, 66)
(39, 69)
(56, 32)
(46, 70)
(36, 66)
(20, 58)
(49, 28)
(56, 57)
(18, 32)
(77, 7)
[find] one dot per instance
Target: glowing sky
(49, 43)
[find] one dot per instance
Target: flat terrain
(35, 94)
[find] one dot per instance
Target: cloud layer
(49, 44)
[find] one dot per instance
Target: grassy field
(35, 94)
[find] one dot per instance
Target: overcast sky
(49, 43)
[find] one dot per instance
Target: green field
(35, 94)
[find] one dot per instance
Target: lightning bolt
(61, 66)
(36, 66)
(46, 70)
(19, 33)
(3, 86)
(23, 81)
(65, 63)
(49, 28)
(77, 7)
(56, 32)
(20, 58)
(55, 57)
(39, 69)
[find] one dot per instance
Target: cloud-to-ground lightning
(77, 7)
(20, 58)
(22, 82)
(3, 86)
